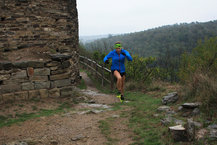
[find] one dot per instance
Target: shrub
(198, 74)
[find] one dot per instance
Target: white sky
(98, 17)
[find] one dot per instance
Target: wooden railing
(98, 70)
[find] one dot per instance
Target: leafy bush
(198, 74)
(142, 69)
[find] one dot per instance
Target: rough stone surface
(39, 78)
(59, 71)
(190, 127)
(19, 75)
(212, 126)
(213, 134)
(60, 57)
(54, 93)
(4, 77)
(61, 83)
(196, 111)
(201, 134)
(47, 31)
(30, 71)
(21, 95)
(9, 88)
(8, 97)
(42, 72)
(60, 76)
(34, 94)
(43, 93)
(164, 109)
(178, 133)
(190, 105)
(27, 86)
(53, 64)
(170, 98)
(42, 85)
(66, 92)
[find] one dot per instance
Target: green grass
(147, 128)
(82, 84)
(8, 120)
(105, 126)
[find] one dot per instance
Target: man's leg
(119, 80)
(122, 85)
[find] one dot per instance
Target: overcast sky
(98, 17)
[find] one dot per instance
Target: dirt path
(79, 126)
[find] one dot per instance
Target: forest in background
(185, 53)
(157, 42)
(166, 44)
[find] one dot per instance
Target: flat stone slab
(60, 57)
(177, 127)
(191, 105)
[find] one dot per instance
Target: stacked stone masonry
(44, 24)
(31, 79)
(38, 23)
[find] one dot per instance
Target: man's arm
(127, 54)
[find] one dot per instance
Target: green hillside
(172, 39)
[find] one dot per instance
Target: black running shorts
(122, 74)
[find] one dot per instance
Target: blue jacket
(118, 60)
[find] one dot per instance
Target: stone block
(66, 91)
(60, 76)
(4, 72)
(8, 97)
(170, 98)
(19, 75)
(42, 72)
(36, 64)
(22, 19)
(54, 93)
(27, 86)
(43, 93)
(60, 83)
(5, 77)
(60, 57)
(30, 71)
(54, 68)
(15, 81)
(6, 65)
(39, 78)
(34, 94)
(23, 64)
(42, 85)
(65, 64)
(21, 95)
(59, 71)
(53, 64)
(9, 88)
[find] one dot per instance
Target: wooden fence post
(102, 75)
(96, 69)
(112, 81)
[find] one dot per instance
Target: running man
(118, 68)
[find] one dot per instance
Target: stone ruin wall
(50, 25)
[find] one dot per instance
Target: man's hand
(123, 53)
(107, 62)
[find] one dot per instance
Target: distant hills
(88, 39)
(173, 39)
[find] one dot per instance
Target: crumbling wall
(50, 26)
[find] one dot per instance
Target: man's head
(118, 46)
